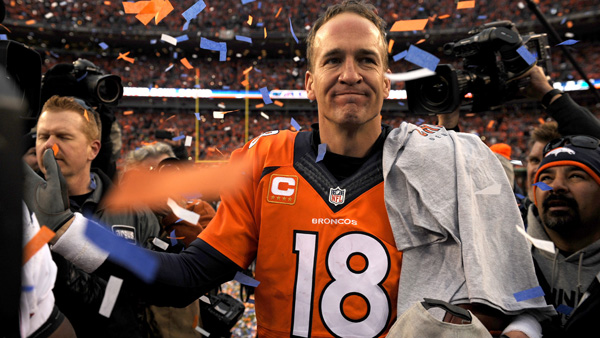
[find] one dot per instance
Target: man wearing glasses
(567, 196)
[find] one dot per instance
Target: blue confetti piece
(193, 11)
(197, 116)
(209, 44)
(82, 77)
(103, 45)
(27, 288)
(260, 24)
(419, 122)
(259, 4)
(257, 70)
(243, 38)
(400, 55)
(568, 42)
(562, 22)
(265, 95)
(543, 186)
(185, 27)
(247, 1)
(482, 17)
(3, 37)
(137, 260)
(519, 196)
(175, 55)
(182, 38)
(322, 149)
(153, 42)
(295, 124)
(421, 58)
(178, 138)
(172, 236)
(564, 309)
(401, 103)
(526, 55)
(529, 294)
(245, 279)
(292, 30)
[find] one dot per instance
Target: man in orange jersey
(311, 210)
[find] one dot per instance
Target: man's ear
(94, 149)
(387, 83)
(308, 83)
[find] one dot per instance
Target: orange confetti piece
(409, 25)
(125, 57)
(148, 10)
(128, 112)
(175, 237)
(465, 4)
(107, 3)
(278, 12)
(490, 124)
(8, 30)
(420, 41)
(55, 148)
(164, 10)
(170, 117)
(37, 242)
(85, 114)
(30, 22)
(569, 24)
(265, 28)
(249, 20)
(186, 63)
(134, 7)
(445, 16)
(541, 120)
(260, 105)
(390, 46)
(148, 143)
(247, 70)
(195, 323)
(245, 83)
(278, 103)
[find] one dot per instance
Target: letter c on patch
(283, 186)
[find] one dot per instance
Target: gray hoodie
(568, 276)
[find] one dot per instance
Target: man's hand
(449, 121)
(47, 199)
(538, 83)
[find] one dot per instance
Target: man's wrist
(550, 97)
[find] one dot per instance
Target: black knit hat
(572, 155)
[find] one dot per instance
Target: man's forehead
(564, 168)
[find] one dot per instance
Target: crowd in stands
(273, 15)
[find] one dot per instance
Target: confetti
(526, 55)
(245, 279)
(169, 68)
(529, 294)
(168, 39)
(3, 37)
(412, 75)
(292, 30)
(148, 10)
(125, 57)
(134, 258)
(421, 58)
(465, 4)
(264, 115)
(193, 11)
(218, 115)
(409, 25)
(322, 149)
(128, 112)
(543, 186)
(278, 103)
(265, 95)
(182, 38)
(243, 38)
(85, 114)
(564, 309)
(568, 42)
(186, 63)
(265, 32)
(278, 12)
(249, 20)
(295, 124)
(48, 15)
(38, 241)
(202, 331)
(247, 1)
(400, 55)
(110, 296)
(247, 70)
(390, 46)
(197, 116)
(260, 105)
(220, 47)
(445, 16)
(31, 22)
(173, 237)
(188, 141)
(541, 244)
(55, 149)
(160, 243)
(178, 138)
(103, 45)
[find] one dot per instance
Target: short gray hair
(152, 150)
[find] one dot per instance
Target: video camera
(84, 80)
(491, 62)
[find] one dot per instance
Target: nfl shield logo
(337, 196)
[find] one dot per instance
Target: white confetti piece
(110, 296)
(184, 214)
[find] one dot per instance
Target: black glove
(49, 200)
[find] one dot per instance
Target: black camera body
(491, 65)
(84, 80)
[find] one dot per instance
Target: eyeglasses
(579, 141)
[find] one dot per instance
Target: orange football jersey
(325, 255)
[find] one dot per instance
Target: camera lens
(109, 89)
(435, 91)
